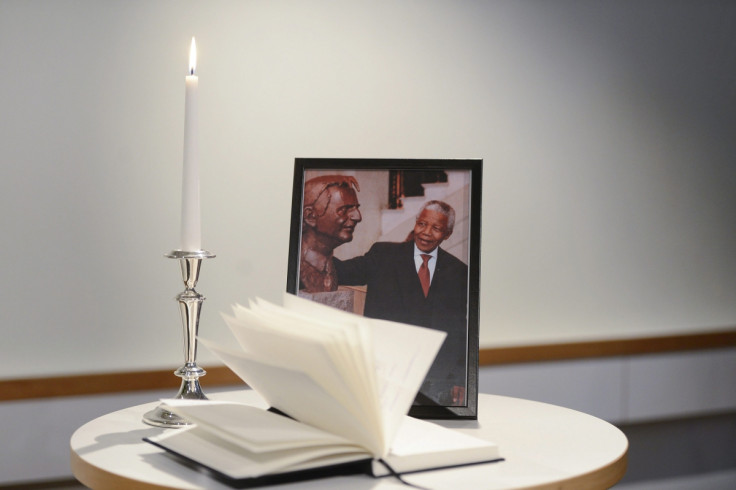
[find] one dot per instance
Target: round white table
(544, 446)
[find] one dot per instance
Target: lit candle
(191, 234)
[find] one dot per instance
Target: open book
(340, 386)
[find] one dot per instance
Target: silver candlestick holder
(190, 304)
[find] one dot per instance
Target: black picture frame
(458, 181)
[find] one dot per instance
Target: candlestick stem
(190, 305)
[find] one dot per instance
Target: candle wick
(191, 71)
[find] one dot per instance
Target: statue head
(330, 212)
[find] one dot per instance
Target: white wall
(606, 130)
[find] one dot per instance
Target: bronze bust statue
(329, 216)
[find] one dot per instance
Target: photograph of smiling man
(397, 240)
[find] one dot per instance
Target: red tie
(424, 274)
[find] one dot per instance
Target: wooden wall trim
(607, 348)
(106, 383)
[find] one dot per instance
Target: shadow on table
(118, 439)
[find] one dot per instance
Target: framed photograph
(397, 239)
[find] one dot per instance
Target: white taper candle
(191, 233)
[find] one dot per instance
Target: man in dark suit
(397, 291)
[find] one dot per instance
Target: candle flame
(192, 57)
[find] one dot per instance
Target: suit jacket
(395, 293)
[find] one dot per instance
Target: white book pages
(337, 352)
(311, 354)
(206, 448)
(314, 319)
(350, 346)
(298, 395)
(253, 428)
(402, 356)
(421, 445)
(338, 371)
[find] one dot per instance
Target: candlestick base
(190, 304)
(189, 390)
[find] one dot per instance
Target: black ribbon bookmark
(398, 476)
